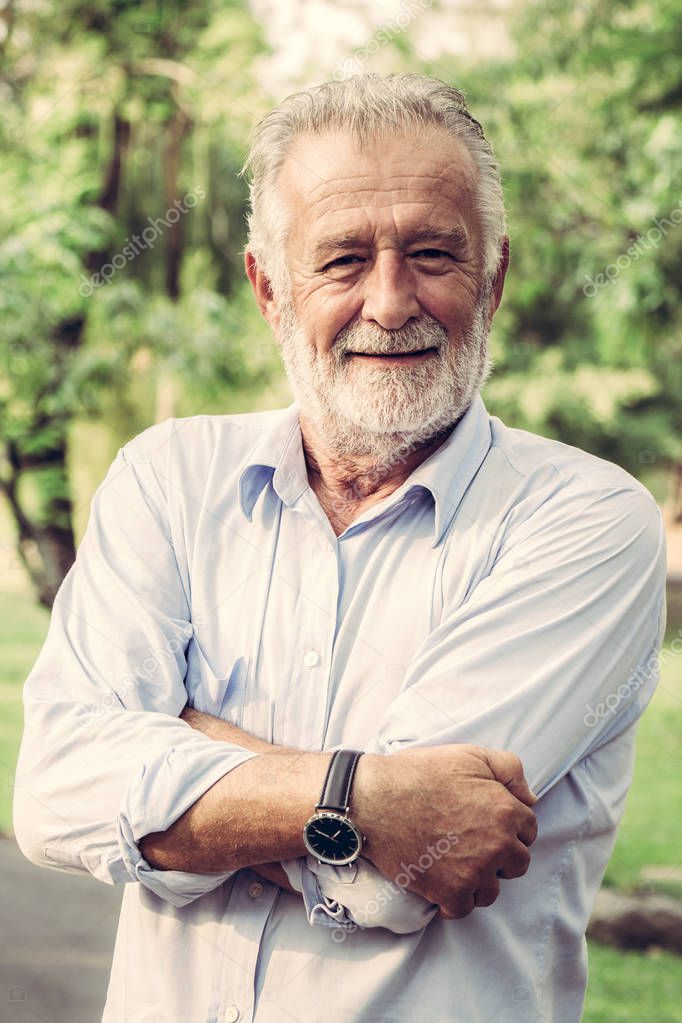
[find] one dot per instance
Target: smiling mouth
(394, 355)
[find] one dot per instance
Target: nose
(390, 292)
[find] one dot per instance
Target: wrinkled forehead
(393, 183)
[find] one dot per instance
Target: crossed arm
(400, 803)
(566, 632)
(216, 728)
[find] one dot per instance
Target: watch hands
(331, 838)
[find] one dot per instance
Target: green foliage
(121, 223)
(591, 164)
(68, 83)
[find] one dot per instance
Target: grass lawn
(651, 831)
(623, 988)
(626, 987)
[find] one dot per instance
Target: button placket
(317, 636)
(233, 991)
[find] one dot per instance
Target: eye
(431, 254)
(342, 261)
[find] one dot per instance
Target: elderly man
(319, 676)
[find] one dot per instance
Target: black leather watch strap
(339, 779)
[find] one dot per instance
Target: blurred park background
(123, 126)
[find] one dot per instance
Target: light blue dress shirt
(509, 593)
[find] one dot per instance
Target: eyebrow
(454, 237)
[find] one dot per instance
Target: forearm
(219, 729)
(254, 814)
(224, 731)
(233, 824)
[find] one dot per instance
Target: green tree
(591, 149)
(121, 218)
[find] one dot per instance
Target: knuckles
(519, 863)
(458, 910)
(487, 898)
(533, 827)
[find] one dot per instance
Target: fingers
(484, 896)
(528, 830)
(508, 770)
(516, 862)
(459, 908)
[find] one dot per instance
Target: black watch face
(332, 838)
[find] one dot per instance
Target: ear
(262, 290)
(498, 283)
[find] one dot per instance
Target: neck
(346, 485)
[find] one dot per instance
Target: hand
(464, 809)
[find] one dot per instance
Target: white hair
(368, 106)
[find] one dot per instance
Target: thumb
(508, 770)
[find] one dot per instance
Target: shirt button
(255, 891)
(231, 1014)
(311, 658)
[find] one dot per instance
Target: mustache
(371, 340)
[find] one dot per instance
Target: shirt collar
(278, 457)
(447, 473)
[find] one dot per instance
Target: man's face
(385, 259)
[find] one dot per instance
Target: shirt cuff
(162, 791)
(321, 910)
(357, 895)
(292, 868)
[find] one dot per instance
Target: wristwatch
(330, 834)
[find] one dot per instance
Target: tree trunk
(178, 129)
(46, 548)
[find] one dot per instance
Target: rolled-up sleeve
(104, 757)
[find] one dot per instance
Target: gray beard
(384, 412)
